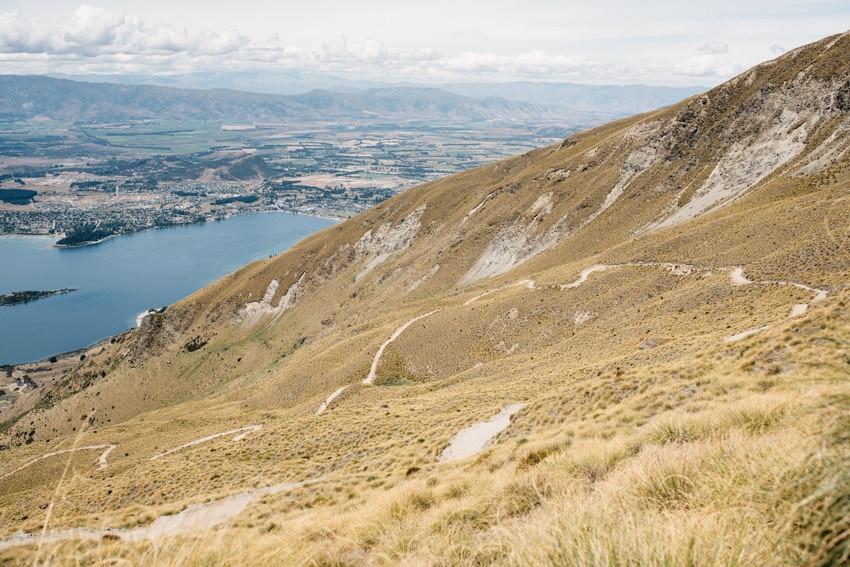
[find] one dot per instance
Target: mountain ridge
(34, 96)
(622, 99)
(665, 295)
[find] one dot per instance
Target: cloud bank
(96, 41)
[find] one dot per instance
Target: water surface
(123, 276)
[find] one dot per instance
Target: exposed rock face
(770, 130)
(788, 115)
(251, 314)
(516, 243)
(387, 240)
(425, 278)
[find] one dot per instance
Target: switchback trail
(370, 379)
(247, 429)
(101, 459)
(194, 518)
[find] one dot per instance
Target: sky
(656, 42)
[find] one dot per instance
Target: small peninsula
(17, 297)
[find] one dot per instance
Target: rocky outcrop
(516, 243)
(254, 311)
(389, 239)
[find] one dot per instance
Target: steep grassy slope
(665, 295)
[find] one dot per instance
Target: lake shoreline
(24, 297)
(124, 277)
(60, 236)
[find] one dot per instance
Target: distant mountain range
(25, 97)
(618, 99)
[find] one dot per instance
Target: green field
(169, 138)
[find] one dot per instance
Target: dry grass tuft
(666, 482)
(818, 525)
(522, 495)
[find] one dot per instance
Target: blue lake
(123, 276)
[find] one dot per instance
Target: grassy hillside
(665, 296)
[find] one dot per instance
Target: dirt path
(101, 459)
(474, 438)
(530, 284)
(745, 334)
(370, 379)
(677, 269)
(585, 273)
(248, 429)
(477, 297)
(202, 517)
(798, 309)
(195, 518)
(108, 447)
(330, 398)
(820, 294)
(736, 278)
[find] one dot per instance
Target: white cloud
(580, 43)
(715, 47)
(706, 66)
(93, 32)
(18, 37)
